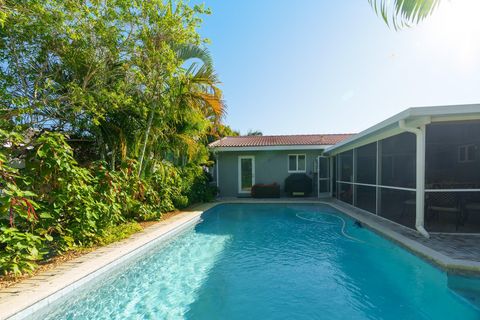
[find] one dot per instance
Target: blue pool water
(270, 262)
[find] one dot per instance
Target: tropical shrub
(19, 250)
(55, 205)
(197, 185)
(21, 243)
(134, 86)
(118, 232)
(66, 193)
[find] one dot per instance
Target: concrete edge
(438, 259)
(432, 256)
(26, 297)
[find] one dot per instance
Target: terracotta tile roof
(286, 140)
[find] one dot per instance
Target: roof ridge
(290, 135)
(280, 140)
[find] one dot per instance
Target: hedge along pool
(269, 261)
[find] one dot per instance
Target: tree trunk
(114, 154)
(145, 141)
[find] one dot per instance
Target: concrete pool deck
(459, 254)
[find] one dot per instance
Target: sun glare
(453, 31)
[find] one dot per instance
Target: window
(398, 160)
(345, 166)
(366, 164)
(466, 153)
(452, 155)
(297, 163)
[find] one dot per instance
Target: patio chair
(445, 203)
(471, 204)
(408, 205)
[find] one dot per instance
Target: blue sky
(310, 66)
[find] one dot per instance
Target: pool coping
(450, 265)
(30, 295)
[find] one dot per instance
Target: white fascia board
(271, 148)
(438, 113)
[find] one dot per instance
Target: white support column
(420, 199)
(330, 175)
(217, 158)
(378, 180)
(318, 176)
(420, 177)
(354, 176)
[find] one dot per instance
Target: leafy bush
(19, 250)
(66, 194)
(196, 185)
(122, 98)
(21, 244)
(55, 205)
(119, 232)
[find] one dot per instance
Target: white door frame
(240, 172)
(328, 178)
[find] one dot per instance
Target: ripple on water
(160, 286)
(265, 262)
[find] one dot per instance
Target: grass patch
(117, 233)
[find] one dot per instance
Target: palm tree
(197, 90)
(254, 133)
(403, 13)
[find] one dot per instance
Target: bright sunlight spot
(453, 32)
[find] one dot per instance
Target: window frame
(297, 155)
(240, 158)
(466, 148)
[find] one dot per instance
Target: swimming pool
(269, 261)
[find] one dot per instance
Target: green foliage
(21, 244)
(67, 193)
(118, 232)
(403, 13)
(130, 80)
(56, 205)
(254, 133)
(197, 186)
(19, 250)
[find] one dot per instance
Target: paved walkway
(456, 246)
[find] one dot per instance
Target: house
(419, 168)
(244, 161)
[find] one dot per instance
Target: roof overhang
(413, 117)
(270, 148)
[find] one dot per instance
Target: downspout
(420, 172)
(217, 160)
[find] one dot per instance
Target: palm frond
(403, 13)
(214, 103)
(187, 52)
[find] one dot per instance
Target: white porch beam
(420, 176)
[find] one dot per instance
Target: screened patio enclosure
(452, 176)
(420, 169)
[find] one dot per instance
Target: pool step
(467, 288)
